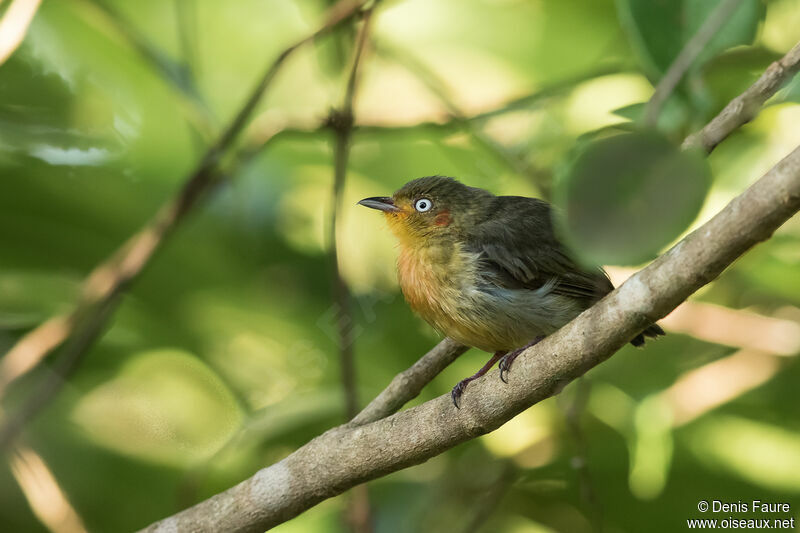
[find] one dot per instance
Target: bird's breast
(432, 279)
(445, 287)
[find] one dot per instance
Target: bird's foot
(508, 359)
(458, 390)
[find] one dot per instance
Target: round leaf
(625, 197)
(660, 30)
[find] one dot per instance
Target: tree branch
(688, 54)
(341, 123)
(346, 456)
(358, 514)
(746, 106)
(394, 396)
(407, 385)
(112, 277)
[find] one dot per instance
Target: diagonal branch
(406, 385)
(112, 277)
(394, 396)
(687, 56)
(746, 106)
(346, 456)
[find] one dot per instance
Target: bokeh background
(224, 355)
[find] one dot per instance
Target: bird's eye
(423, 204)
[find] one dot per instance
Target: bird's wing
(518, 249)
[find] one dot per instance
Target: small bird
(487, 271)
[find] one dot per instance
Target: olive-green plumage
(486, 270)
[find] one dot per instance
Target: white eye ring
(423, 204)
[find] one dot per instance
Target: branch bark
(746, 106)
(394, 396)
(346, 456)
(406, 385)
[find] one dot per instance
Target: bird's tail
(652, 331)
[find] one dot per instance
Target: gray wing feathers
(526, 253)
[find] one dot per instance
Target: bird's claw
(503, 372)
(508, 359)
(505, 365)
(457, 391)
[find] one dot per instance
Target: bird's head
(429, 209)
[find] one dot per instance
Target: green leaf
(627, 196)
(672, 119)
(659, 30)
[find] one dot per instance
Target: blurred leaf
(165, 406)
(672, 119)
(728, 74)
(763, 454)
(651, 448)
(625, 197)
(790, 93)
(659, 30)
(28, 298)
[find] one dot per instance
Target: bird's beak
(383, 203)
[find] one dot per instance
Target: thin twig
(186, 22)
(177, 75)
(358, 513)
(687, 56)
(14, 26)
(50, 384)
(44, 494)
(186, 19)
(406, 385)
(111, 278)
(341, 122)
(747, 105)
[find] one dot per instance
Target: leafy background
(223, 357)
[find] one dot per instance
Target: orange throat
(431, 278)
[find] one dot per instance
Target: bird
(487, 271)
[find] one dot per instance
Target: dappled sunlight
(735, 327)
(700, 390)
(762, 454)
(528, 438)
(651, 448)
(163, 406)
(367, 250)
(522, 525)
(779, 32)
(221, 354)
(260, 351)
(612, 406)
(43, 492)
(591, 104)
(412, 102)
